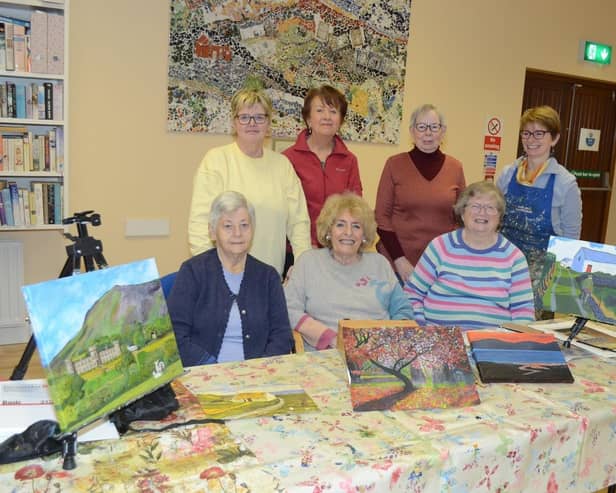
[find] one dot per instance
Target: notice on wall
(589, 139)
(491, 146)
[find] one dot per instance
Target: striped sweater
(454, 284)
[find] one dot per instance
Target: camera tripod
(91, 251)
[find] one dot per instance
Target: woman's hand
(404, 268)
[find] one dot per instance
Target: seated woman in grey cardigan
(226, 305)
(342, 280)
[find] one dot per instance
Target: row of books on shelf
(21, 151)
(32, 45)
(32, 100)
(41, 204)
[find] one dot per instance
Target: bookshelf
(33, 114)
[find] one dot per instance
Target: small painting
(256, 402)
(104, 338)
(408, 367)
(579, 278)
(518, 357)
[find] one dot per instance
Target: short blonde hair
(338, 203)
(544, 115)
(250, 94)
(479, 188)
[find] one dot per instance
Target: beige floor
(9, 357)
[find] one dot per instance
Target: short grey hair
(479, 188)
(424, 108)
(226, 203)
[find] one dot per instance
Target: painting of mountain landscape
(104, 338)
(518, 357)
(408, 367)
(579, 278)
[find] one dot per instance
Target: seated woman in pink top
(416, 193)
(473, 276)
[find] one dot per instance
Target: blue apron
(528, 224)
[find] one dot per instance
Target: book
(8, 206)
(407, 367)
(8, 43)
(38, 41)
(32, 206)
(51, 203)
(34, 91)
(48, 98)
(36, 153)
(60, 149)
(106, 335)
(11, 106)
(20, 101)
(2, 47)
(37, 189)
(17, 213)
(24, 205)
(57, 201)
(58, 101)
(53, 165)
(45, 155)
(17, 154)
(518, 357)
(19, 48)
(41, 102)
(3, 101)
(2, 213)
(55, 43)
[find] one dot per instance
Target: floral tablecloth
(522, 437)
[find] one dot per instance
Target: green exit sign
(597, 53)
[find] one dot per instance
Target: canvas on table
(407, 367)
(104, 338)
(518, 357)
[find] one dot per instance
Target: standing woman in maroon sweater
(416, 194)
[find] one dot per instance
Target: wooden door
(582, 104)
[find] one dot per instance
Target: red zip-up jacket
(340, 173)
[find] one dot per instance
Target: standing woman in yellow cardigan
(265, 177)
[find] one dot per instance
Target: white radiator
(13, 326)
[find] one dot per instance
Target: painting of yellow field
(105, 339)
(252, 402)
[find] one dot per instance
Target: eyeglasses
(537, 134)
(490, 210)
(259, 119)
(422, 127)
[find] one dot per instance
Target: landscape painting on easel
(104, 338)
(579, 278)
(408, 367)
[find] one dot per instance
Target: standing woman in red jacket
(416, 194)
(322, 161)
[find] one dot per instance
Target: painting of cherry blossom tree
(408, 367)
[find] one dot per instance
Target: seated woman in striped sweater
(473, 277)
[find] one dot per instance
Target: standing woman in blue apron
(542, 197)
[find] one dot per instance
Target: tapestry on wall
(358, 47)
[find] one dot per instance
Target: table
(522, 437)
